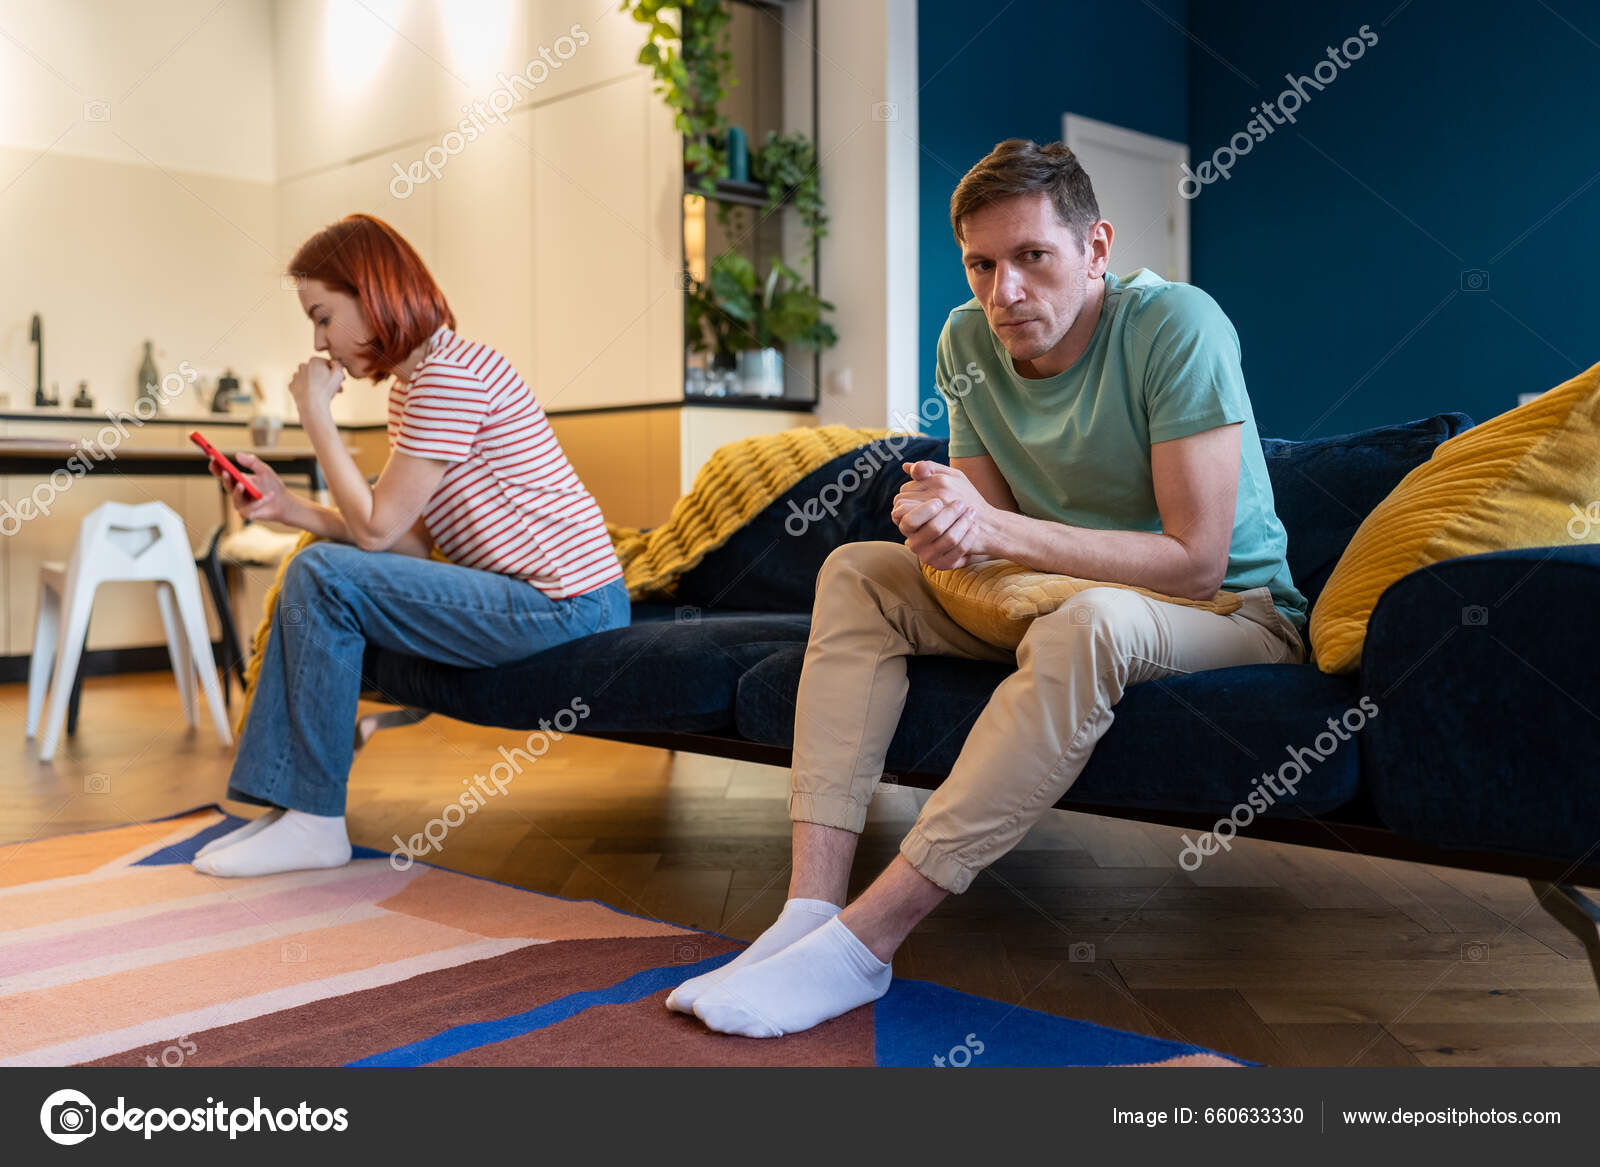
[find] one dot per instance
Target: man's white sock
(296, 842)
(798, 918)
(240, 834)
(821, 976)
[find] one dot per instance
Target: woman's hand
(314, 384)
(275, 505)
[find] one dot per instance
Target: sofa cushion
(1323, 488)
(1510, 482)
(998, 601)
(771, 563)
(1185, 743)
(668, 671)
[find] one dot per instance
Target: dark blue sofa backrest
(1322, 488)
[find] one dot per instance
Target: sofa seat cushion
(1185, 743)
(668, 671)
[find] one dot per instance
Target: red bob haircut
(364, 257)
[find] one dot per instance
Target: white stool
(118, 542)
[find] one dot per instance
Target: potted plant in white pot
(754, 321)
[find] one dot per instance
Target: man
(1098, 428)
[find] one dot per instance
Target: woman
(473, 468)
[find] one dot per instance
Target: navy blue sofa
(1482, 754)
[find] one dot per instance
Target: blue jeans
(298, 742)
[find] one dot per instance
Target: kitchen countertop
(98, 414)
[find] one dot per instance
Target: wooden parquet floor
(1279, 954)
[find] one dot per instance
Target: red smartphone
(228, 467)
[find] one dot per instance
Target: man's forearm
(1153, 560)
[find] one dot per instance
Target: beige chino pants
(874, 608)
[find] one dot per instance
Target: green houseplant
(733, 313)
(687, 50)
(744, 321)
(787, 164)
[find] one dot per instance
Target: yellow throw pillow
(996, 599)
(1515, 481)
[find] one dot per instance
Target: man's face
(1029, 270)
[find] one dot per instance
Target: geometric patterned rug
(114, 951)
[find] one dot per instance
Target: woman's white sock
(240, 834)
(295, 842)
(798, 918)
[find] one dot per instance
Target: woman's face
(338, 326)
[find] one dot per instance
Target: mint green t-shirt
(1163, 363)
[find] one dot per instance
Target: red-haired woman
(473, 468)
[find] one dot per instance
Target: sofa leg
(388, 719)
(1576, 912)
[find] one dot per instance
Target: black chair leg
(1575, 912)
(210, 566)
(77, 690)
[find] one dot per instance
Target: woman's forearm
(328, 523)
(381, 518)
(323, 522)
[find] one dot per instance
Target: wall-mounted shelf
(777, 75)
(746, 194)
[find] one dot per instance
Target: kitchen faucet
(36, 336)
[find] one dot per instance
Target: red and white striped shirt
(510, 501)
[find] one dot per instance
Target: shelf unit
(802, 373)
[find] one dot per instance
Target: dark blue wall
(1338, 245)
(984, 79)
(1467, 139)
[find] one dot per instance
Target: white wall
(867, 141)
(136, 191)
(555, 232)
(236, 130)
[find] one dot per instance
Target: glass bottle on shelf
(149, 379)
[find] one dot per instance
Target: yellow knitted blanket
(736, 484)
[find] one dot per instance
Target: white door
(1135, 179)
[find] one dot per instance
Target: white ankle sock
(296, 842)
(818, 977)
(240, 834)
(798, 918)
